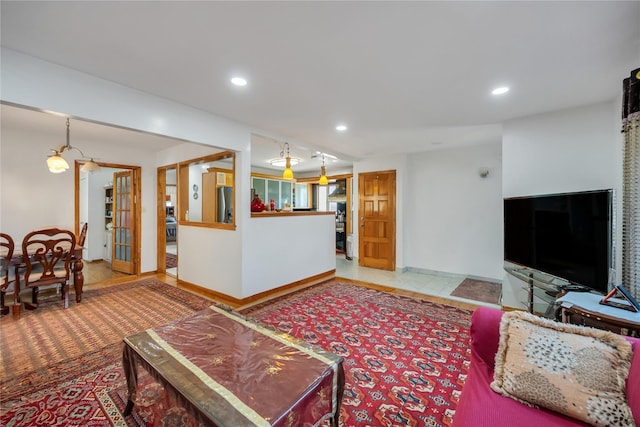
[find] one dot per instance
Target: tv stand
(542, 290)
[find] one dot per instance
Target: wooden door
(123, 235)
(377, 220)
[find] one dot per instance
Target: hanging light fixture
(288, 173)
(57, 164)
(323, 174)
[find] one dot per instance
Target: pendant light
(288, 173)
(323, 174)
(57, 164)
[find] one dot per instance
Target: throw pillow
(578, 371)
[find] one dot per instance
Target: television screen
(565, 235)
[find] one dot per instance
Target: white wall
(207, 256)
(399, 164)
(454, 216)
(32, 197)
(281, 245)
(577, 149)
(195, 205)
(563, 151)
(95, 203)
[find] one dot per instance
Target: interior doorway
(167, 197)
(106, 200)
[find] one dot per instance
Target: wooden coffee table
(230, 371)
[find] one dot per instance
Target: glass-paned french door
(123, 223)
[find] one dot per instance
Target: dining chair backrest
(47, 256)
(6, 252)
(83, 234)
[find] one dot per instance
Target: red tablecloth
(229, 371)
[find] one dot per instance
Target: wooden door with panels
(123, 237)
(377, 220)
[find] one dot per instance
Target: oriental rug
(51, 345)
(478, 290)
(405, 363)
(406, 359)
(171, 260)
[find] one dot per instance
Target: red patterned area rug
(406, 359)
(55, 363)
(405, 364)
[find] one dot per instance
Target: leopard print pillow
(578, 371)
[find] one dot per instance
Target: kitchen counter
(288, 213)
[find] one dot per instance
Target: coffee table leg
(131, 374)
(129, 408)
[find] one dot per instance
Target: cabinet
(585, 309)
(107, 246)
(108, 221)
(341, 227)
(279, 190)
(108, 206)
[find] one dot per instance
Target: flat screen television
(566, 235)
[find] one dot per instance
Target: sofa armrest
(633, 382)
(485, 335)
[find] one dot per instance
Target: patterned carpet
(405, 362)
(172, 260)
(405, 359)
(51, 345)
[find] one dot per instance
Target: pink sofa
(480, 406)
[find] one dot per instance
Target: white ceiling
(404, 76)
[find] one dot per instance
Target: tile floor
(418, 281)
(422, 282)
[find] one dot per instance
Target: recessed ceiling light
(239, 81)
(341, 128)
(500, 90)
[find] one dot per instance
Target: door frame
(137, 205)
(161, 214)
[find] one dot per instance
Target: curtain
(631, 184)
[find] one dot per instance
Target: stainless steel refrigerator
(225, 204)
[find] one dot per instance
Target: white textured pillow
(578, 371)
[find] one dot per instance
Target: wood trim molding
(315, 179)
(137, 213)
(257, 298)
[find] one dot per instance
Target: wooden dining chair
(81, 239)
(6, 279)
(83, 234)
(48, 262)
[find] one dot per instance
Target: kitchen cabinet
(280, 191)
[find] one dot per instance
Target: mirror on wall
(206, 190)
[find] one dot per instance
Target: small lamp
(57, 164)
(90, 166)
(323, 174)
(288, 173)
